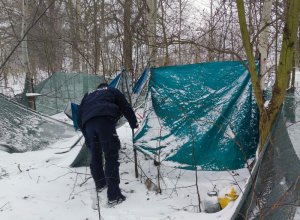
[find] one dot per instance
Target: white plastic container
(211, 203)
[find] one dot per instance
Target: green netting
(275, 192)
(24, 130)
(82, 158)
(200, 114)
(61, 88)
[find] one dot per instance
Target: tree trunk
(286, 54)
(250, 56)
(179, 34)
(166, 60)
(96, 39)
(263, 40)
(74, 11)
(297, 51)
(210, 42)
(54, 61)
(127, 42)
(28, 87)
(152, 15)
(232, 34)
(268, 115)
(103, 44)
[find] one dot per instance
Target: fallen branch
(3, 206)
(76, 142)
(19, 168)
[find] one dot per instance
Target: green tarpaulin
(61, 88)
(200, 115)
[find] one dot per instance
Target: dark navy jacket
(107, 102)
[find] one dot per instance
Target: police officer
(98, 114)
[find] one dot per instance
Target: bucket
(211, 204)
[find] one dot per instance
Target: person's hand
(136, 126)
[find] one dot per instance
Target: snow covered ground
(41, 185)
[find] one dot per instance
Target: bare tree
(127, 42)
(25, 57)
(268, 114)
(263, 40)
(73, 9)
(152, 15)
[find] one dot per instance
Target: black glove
(135, 126)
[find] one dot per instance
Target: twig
(175, 186)
(73, 189)
(3, 206)
(59, 177)
(81, 184)
(235, 181)
(19, 168)
(196, 169)
(29, 175)
(73, 145)
(293, 124)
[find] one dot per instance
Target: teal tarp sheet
(200, 115)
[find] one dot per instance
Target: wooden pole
(135, 157)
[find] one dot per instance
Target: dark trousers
(101, 137)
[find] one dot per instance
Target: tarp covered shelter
(62, 88)
(200, 115)
(22, 129)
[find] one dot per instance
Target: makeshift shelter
(204, 115)
(22, 129)
(200, 115)
(62, 88)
